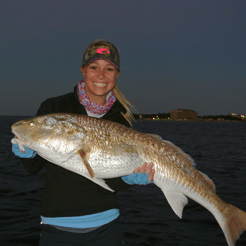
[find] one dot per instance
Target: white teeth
(100, 84)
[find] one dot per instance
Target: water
(217, 148)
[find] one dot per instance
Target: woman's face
(100, 78)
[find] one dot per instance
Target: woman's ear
(82, 71)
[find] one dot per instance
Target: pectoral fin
(91, 175)
(86, 163)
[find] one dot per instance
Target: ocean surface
(218, 148)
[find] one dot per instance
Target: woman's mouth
(98, 84)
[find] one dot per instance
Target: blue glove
(29, 153)
(137, 178)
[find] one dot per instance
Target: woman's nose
(101, 73)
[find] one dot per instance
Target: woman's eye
(110, 69)
(92, 67)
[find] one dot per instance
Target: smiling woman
(99, 51)
(76, 211)
(100, 78)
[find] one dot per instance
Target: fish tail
(235, 224)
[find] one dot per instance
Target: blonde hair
(118, 94)
(126, 104)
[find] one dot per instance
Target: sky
(175, 54)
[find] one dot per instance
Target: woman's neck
(99, 100)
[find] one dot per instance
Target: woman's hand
(142, 175)
(29, 153)
(148, 169)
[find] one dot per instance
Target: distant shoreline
(202, 120)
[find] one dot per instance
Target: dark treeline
(205, 117)
(225, 117)
(160, 116)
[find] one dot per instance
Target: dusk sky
(175, 54)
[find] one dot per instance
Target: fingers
(143, 167)
(149, 168)
(137, 170)
(152, 173)
(146, 168)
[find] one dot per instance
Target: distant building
(183, 114)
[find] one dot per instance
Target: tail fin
(235, 224)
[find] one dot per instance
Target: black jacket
(67, 193)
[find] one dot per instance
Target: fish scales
(98, 149)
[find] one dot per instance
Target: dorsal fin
(155, 136)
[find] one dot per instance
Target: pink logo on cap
(103, 51)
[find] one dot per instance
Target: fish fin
(235, 224)
(209, 181)
(100, 182)
(155, 136)
(177, 201)
(86, 163)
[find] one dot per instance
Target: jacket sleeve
(36, 164)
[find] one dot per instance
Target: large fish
(99, 149)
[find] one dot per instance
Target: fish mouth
(16, 133)
(20, 140)
(18, 136)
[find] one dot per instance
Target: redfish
(99, 149)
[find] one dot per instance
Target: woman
(76, 211)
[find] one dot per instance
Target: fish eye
(32, 124)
